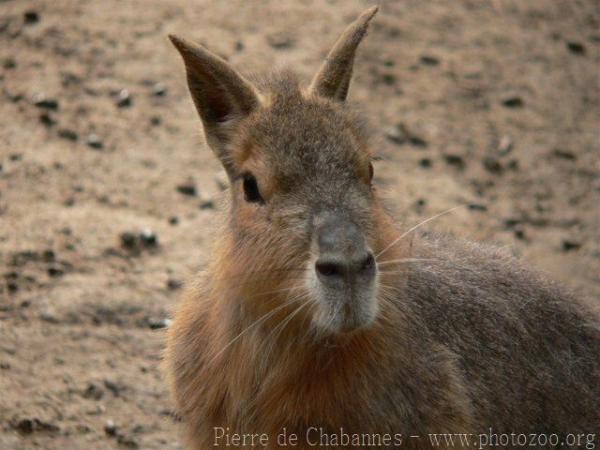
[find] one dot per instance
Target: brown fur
(465, 340)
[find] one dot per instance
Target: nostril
(328, 269)
(368, 263)
(331, 269)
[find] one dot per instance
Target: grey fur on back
(529, 350)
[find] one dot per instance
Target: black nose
(337, 268)
(343, 252)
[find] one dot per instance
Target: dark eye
(371, 172)
(251, 192)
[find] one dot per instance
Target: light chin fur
(343, 311)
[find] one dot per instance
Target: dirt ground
(108, 193)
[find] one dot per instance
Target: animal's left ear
(333, 78)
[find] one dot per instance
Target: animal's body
(317, 317)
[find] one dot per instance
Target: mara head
(305, 224)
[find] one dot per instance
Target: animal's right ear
(222, 96)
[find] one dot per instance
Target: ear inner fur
(333, 78)
(222, 96)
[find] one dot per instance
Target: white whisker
(276, 291)
(414, 228)
(287, 320)
(403, 260)
(253, 325)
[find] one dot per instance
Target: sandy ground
(489, 104)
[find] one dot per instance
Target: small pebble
(48, 255)
(388, 78)
(30, 17)
(24, 426)
(425, 163)
(206, 202)
(400, 134)
(93, 392)
(157, 324)
(519, 233)
(114, 387)
(159, 90)
(110, 428)
(173, 284)
(576, 47)
(429, 60)
(29, 426)
(280, 40)
(505, 145)
(513, 102)
(128, 442)
(416, 141)
(492, 165)
(395, 135)
(94, 141)
(187, 188)
(47, 119)
(97, 409)
(128, 240)
(148, 238)
(14, 97)
(41, 101)
(477, 207)
(564, 154)
(68, 134)
(124, 99)
(50, 317)
(55, 271)
(9, 63)
(454, 160)
(570, 244)
(83, 429)
(136, 242)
